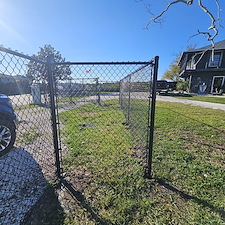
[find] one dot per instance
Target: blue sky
(103, 30)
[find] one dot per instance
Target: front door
(217, 84)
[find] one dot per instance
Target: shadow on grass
(46, 211)
(186, 196)
(171, 94)
(195, 120)
(80, 198)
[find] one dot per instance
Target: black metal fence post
(51, 84)
(129, 101)
(152, 117)
(120, 95)
(98, 87)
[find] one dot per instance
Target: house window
(215, 60)
(191, 64)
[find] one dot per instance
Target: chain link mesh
(125, 85)
(112, 101)
(135, 90)
(110, 98)
(29, 165)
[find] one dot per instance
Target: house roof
(218, 45)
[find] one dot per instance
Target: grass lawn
(205, 98)
(68, 99)
(79, 95)
(188, 165)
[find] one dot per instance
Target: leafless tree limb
(215, 22)
(210, 37)
(157, 18)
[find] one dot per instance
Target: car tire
(7, 136)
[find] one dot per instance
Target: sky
(105, 30)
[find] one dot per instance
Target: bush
(182, 85)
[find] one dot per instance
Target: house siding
(223, 61)
(203, 62)
(198, 78)
(194, 66)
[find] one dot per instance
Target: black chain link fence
(44, 97)
(128, 85)
(137, 99)
(25, 122)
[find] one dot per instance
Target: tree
(173, 72)
(37, 70)
(213, 28)
(182, 85)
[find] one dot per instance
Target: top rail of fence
(9, 51)
(105, 63)
(22, 55)
(151, 63)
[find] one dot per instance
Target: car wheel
(7, 136)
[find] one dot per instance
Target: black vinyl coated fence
(26, 123)
(137, 99)
(45, 97)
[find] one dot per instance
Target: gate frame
(151, 119)
(55, 130)
(151, 113)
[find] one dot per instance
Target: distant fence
(137, 99)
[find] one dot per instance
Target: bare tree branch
(208, 13)
(210, 37)
(156, 19)
(218, 12)
(215, 22)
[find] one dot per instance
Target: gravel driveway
(26, 169)
(21, 184)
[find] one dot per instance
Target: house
(204, 66)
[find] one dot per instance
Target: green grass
(188, 165)
(29, 137)
(31, 106)
(79, 96)
(189, 151)
(137, 120)
(68, 99)
(205, 98)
